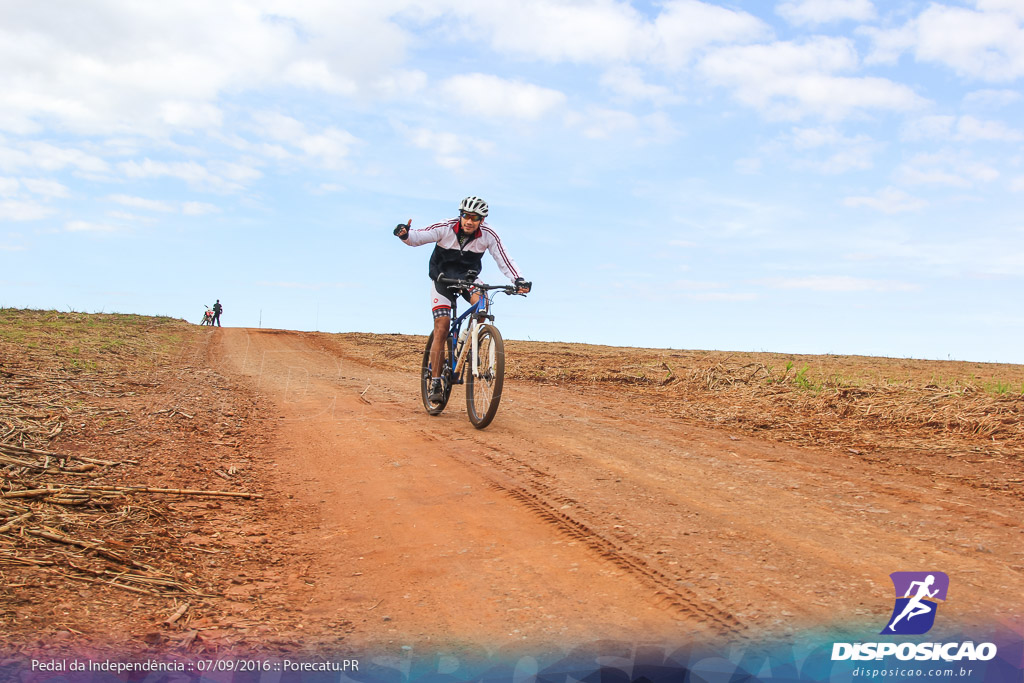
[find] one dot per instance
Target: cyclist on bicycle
(460, 244)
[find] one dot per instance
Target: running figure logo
(917, 596)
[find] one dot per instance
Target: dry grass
(861, 403)
(94, 410)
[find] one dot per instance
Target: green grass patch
(89, 341)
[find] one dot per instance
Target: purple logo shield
(917, 600)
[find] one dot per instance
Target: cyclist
(460, 244)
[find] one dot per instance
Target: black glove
(402, 231)
(523, 285)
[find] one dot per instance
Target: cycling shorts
(442, 300)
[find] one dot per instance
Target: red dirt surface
(675, 506)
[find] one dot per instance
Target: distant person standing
(217, 310)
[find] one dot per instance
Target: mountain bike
(474, 356)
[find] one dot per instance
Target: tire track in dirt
(533, 491)
(666, 594)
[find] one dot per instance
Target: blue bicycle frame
(480, 307)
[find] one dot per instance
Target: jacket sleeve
(500, 256)
(427, 235)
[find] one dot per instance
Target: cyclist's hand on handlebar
(522, 286)
(402, 230)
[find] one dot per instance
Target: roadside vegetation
(103, 479)
(860, 403)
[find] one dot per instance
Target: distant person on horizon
(217, 310)
(460, 244)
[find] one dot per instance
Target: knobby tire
(483, 392)
(425, 377)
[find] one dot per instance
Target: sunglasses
(475, 217)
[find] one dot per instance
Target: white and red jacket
(454, 259)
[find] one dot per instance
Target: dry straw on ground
(73, 388)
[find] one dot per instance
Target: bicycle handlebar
(472, 284)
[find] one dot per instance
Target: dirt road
(577, 516)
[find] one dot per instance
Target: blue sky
(804, 176)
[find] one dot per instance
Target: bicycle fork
(473, 344)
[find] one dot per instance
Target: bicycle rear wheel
(435, 408)
(483, 388)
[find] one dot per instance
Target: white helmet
(473, 205)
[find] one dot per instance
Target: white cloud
(600, 31)
(401, 83)
(815, 12)
(971, 129)
(986, 44)
(494, 97)
(199, 208)
(791, 80)
(128, 217)
(723, 296)
(317, 74)
(150, 68)
(238, 174)
(225, 176)
(9, 187)
(179, 114)
(189, 171)
(142, 203)
(1013, 7)
(329, 148)
(628, 83)
(838, 152)
(46, 187)
(913, 175)
(451, 150)
(130, 66)
(946, 168)
(88, 226)
(853, 158)
(1017, 184)
(928, 128)
(685, 27)
(706, 290)
(839, 283)
(961, 129)
(695, 285)
(981, 172)
(601, 123)
(992, 99)
(277, 126)
(48, 157)
(327, 188)
(749, 165)
(16, 210)
(889, 200)
(888, 44)
(160, 206)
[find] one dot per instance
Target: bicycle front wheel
(435, 407)
(484, 382)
